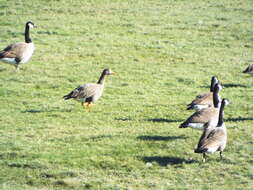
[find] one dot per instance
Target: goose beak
(112, 73)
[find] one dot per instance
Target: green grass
(164, 53)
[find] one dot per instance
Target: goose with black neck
(21, 52)
(214, 139)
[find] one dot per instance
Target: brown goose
(203, 116)
(249, 69)
(19, 53)
(214, 139)
(90, 92)
(204, 100)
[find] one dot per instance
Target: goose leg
(84, 104)
(204, 157)
(89, 105)
(17, 67)
(221, 157)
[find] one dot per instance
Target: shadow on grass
(240, 119)
(162, 120)
(164, 161)
(45, 110)
(160, 138)
(229, 85)
(123, 119)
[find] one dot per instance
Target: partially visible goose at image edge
(21, 52)
(249, 69)
(90, 92)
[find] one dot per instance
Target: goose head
(107, 72)
(30, 25)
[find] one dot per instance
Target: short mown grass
(164, 53)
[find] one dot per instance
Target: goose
(90, 92)
(249, 69)
(198, 119)
(204, 100)
(19, 53)
(214, 139)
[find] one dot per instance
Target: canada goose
(19, 53)
(204, 100)
(214, 139)
(199, 118)
(90, 92)
(249, 69)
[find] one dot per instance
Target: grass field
(164, 53)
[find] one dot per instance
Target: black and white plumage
(214, 139)
(204, 100)
(249, 69)
(198, 119)
(90, 92)
(21, 52)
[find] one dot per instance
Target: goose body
(204, 100)
(214, 139)
(198, 119)
(21, 52)
(90, 92)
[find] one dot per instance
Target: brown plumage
(249, 69)
(198, 119)
(21, 52)
(214, 139)
(90, 92)
(204, 100)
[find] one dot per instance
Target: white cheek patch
(199, 126)
(9, 60)
(30, 25)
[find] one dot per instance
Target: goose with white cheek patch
(21, 52)
(214, 139)
(198, 119)
(90, 92)
(204, 100)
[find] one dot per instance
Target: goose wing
(83, 91)
(202, 116)
(214, 139)
(13, 50)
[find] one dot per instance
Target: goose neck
(27, 35)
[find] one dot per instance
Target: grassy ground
(164, 53)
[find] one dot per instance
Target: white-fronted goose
(19, 53)
(204, 100)
(198, 119)
(90, 92)
(249, 69)
(214, 139)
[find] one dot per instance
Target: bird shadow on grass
(162, 120)
(123, 119)
(167, 160)
(240, 119)
(229, 85)
(160, 138)
(45, 110)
